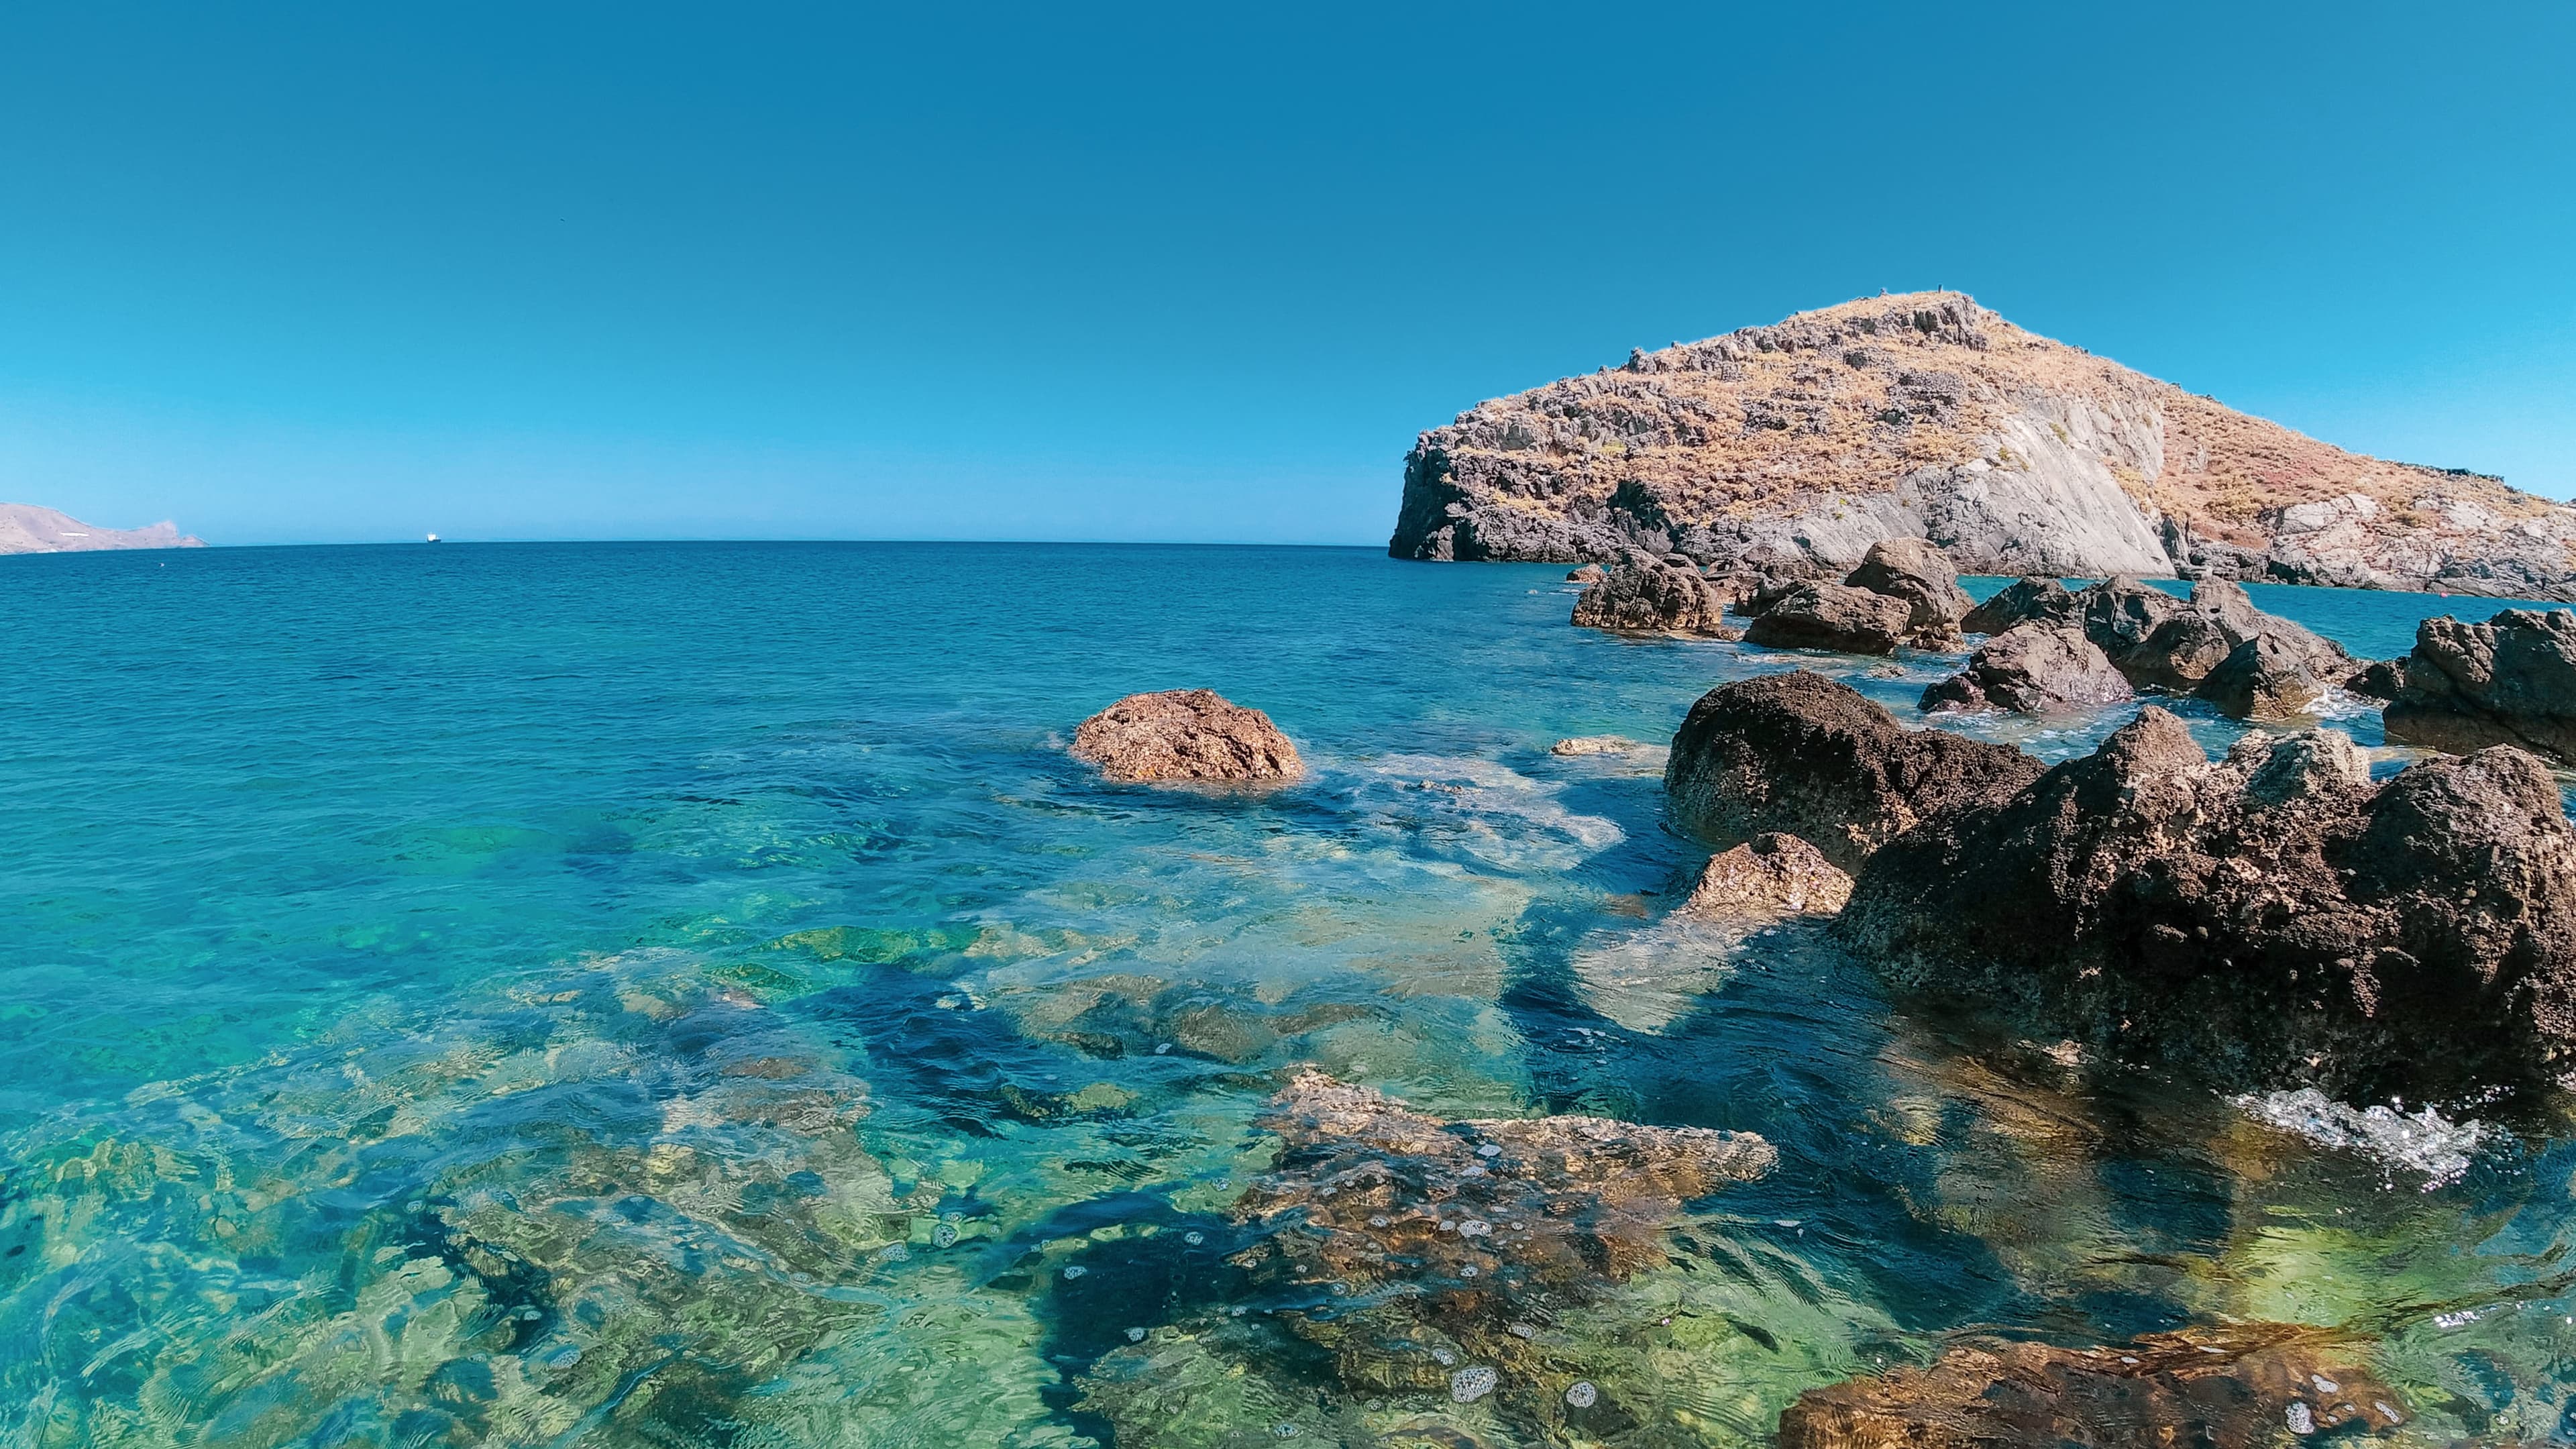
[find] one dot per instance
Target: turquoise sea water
(684, 995)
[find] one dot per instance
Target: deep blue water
(684, 994)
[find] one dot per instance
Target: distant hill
(26, 528)
(1926, 415)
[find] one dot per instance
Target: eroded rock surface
(2034, 669)
(2233, 1388)
(1654, 597)
(1184, 735)
(2510, 680)
(2021, 602)
(1832, 616)
(1765, 878)
(2270, 920)
(1918, 572)
(1479, 1226)
(1803, 754)
(2264, 678)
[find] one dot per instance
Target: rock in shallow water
(1833, 616)
(1765, 878)
(2272, 920)
(2022, 601)
(2233, 1388)
(2510, 680)
(1647, 597)
(1917, 572)
(2033, 669)
(1803, 754)
(1185, 735)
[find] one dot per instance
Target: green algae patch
(877, 946)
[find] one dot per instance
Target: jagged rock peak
(1925, 415)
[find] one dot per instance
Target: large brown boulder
(1833, 616)
(2020, 602)
(2510, 680)
(1181, 735)
(1918, 572)
(1803, 754)
(1653, 597)
(2246, 1386)
(2034, 669)
(2120, 613)
(2270, 920)
(2265, 678)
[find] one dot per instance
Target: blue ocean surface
(686, 995)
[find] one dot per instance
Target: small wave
(2424, 1141)
(1492, 812)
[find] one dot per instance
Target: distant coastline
(29, 528)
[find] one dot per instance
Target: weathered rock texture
(2511, 680)
(2243, 1387)
(1766, 878)
(1803, 754)
(2022, 601)
(2033, 668)
(26, 528)
(1830, 616)
(1185, 735)
(1920, 574)
(1652, 597)
(1483, 1225)
(2270, 920)
(1927, 416)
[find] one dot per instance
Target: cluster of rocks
(2508, 681)
(1651, 596)
(2272, 919)
(1904, 592)
(1431, 1247)
(1184, 736)
(2053, 649)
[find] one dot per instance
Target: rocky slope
(26, 528)
(1925, 415)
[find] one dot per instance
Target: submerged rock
(2272, 920)
(1653, 597)
(2233, 1388)
(1185, 735)
(1916, 571)
(1444, 1237)
(1767, 877)
(1832, 616)
(1594, 745)
(2034, 669)
(2510, 680)
(1803, 754)
(2021, 602)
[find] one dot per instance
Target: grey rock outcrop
(2510, 680)
(1654, 597)
(2271, 920)
(2022, 601)
(2032, 669)
(1810, 757)
(1768, 877)
(1185, 736)
(1832, 616)
(1927, 416)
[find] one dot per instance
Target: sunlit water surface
(684, 995)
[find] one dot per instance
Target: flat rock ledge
(2240, 1386)
(1179, 736)
(1767, 878)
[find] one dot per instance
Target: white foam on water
(1492, 812)
(2423, 1141)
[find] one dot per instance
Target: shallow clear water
(685, 995)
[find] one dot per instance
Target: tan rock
(1767, 877)
(1181, 735)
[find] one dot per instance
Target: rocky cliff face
(1927, 416)
(26, 528)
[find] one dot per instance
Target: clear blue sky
(348, 272)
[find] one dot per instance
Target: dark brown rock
(1803, 754)
(2245, 1386)
(1767, 877)
(1653, 598)
(1185, 735)
(2190, 642)
(2378, 679)
(2034, 669)
(2020, 602)
(2179, 654)
(2264, 678)
(2120, 613)
(1918, 572)
(2510, 680)
(2273, 920)
(1832, 616)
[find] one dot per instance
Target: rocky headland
(26, 528)
(1927, 416)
